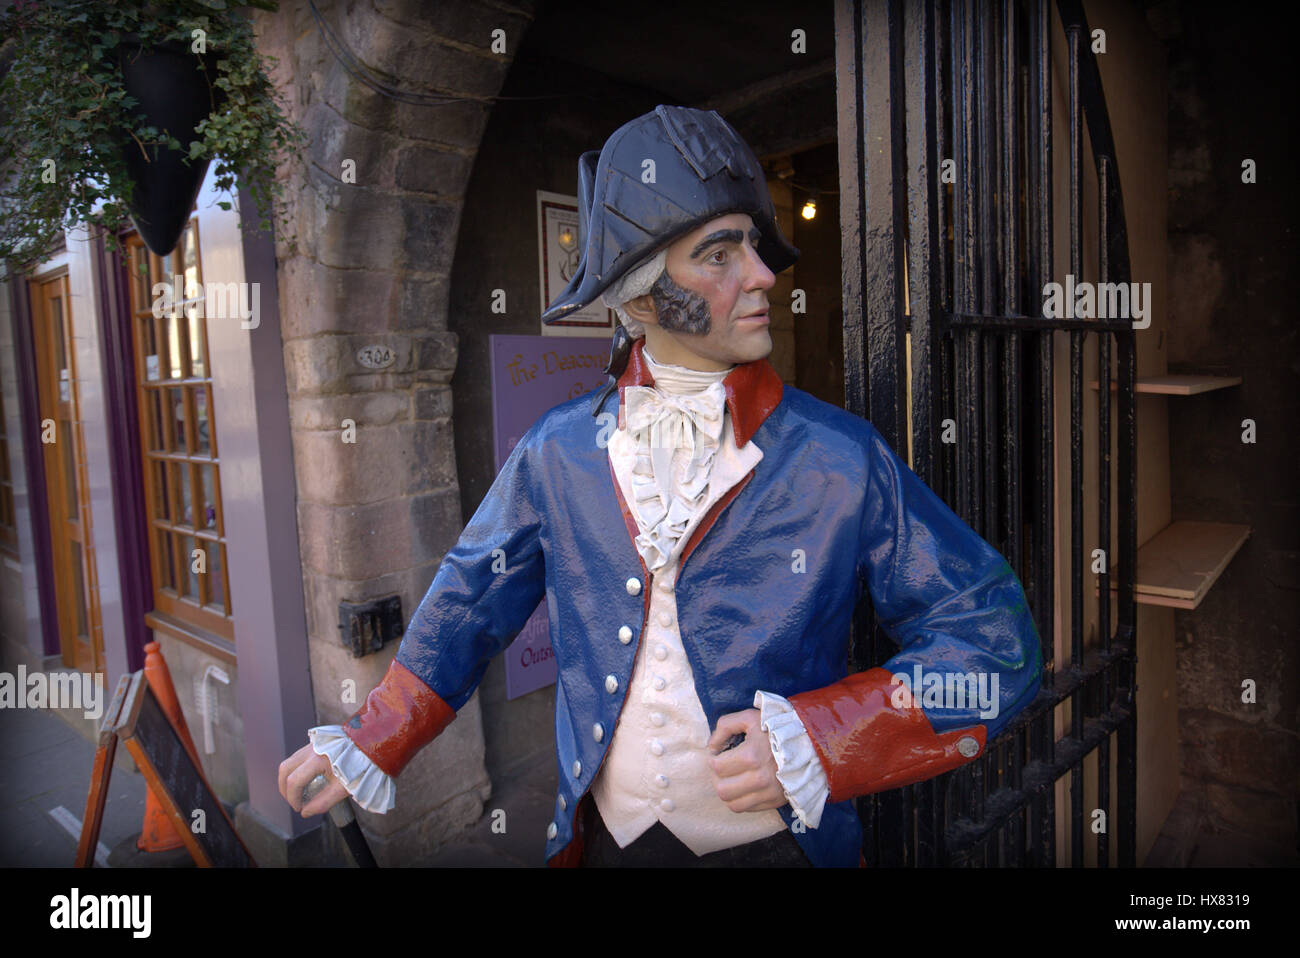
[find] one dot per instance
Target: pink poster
(531, 374)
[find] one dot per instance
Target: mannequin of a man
(659, 761)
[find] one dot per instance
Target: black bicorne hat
(700, 169)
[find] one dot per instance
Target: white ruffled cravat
(677, 426)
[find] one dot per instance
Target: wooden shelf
(1181, 561)
(1178, 385)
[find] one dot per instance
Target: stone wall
(366, 263)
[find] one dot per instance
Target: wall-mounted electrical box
(366, 626)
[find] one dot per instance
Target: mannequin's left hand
(744, 776)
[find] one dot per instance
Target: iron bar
(1103, 505)
(1073, 40)
(1043, 840)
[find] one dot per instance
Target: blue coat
(765, 591)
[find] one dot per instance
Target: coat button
(598, 732)
(551, 831)
(661, 653)
(577, 770)
(625, 635)
(563, 803)
(611, 684)
(967, 746)
(633, 586)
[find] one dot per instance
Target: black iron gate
(958, 255)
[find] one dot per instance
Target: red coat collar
(753, 391)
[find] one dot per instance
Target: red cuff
(400, 717)
(868, 745)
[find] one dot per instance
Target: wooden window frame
(175, 458)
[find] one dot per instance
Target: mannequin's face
(710, 310)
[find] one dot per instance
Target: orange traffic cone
(157, 833)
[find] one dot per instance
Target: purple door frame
(122, 410)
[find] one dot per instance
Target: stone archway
(376, 209)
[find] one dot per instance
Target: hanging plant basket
(111, 112)
(173, 95)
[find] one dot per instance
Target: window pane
(162, 492)
(140, 278)
(79, 586)
(204, 447)
(208, 519)
(180, 476)
(197, 367)
(166, 561)
(64, 441)
(151, 420)
(176, 419)
(191, 577)
(216, 578)
(173, 325)
(56, 332)
(188, 247)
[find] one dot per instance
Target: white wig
(636, 282)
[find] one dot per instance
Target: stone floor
(45, 765)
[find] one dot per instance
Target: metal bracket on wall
(366, 626)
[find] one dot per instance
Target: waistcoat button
(660, 683)
(661, 781)
(661, 653)
(657, 719)
(665, 619)
(667, 804)
(657, 746)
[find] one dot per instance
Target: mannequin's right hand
(296, 773)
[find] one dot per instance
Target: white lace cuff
(367, 783)
(798, 768)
